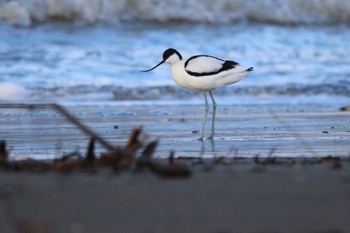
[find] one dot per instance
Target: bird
(203, 73)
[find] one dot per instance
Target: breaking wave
(169, 92)
(27, 12)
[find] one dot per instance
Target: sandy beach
(235, 196)
(296, 193)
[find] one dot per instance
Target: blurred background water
(92, 51)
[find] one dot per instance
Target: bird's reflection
(207, 148)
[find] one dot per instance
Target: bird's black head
(168, 57)
(167, 53)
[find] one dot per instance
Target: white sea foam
(12, 92)
(27, 12)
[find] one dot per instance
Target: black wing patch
(227, 65)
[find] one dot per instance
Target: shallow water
(69, 62)
(45, 134)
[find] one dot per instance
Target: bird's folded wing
(202, 65)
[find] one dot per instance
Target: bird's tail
(239, 73)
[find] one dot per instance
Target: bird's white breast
(178, 74)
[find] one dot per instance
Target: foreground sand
(234, 196)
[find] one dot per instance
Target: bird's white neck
(177, 73)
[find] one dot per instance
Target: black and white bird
(203, 73)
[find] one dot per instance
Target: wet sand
(240, 131)
(233, 196)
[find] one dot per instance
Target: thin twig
(67, 115)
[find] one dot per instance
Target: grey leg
(214, 113)
(206, 109)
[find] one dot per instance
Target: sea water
(92, 51)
